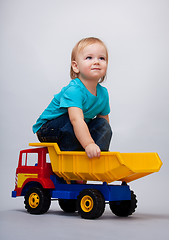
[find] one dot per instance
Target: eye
(88, 58)
(102, 58)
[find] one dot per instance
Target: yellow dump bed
(111, 166)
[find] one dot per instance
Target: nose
(96, 61)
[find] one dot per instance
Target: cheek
(105, 66)
(86, 67)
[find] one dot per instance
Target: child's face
(91, 62)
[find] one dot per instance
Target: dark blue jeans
(60, 130)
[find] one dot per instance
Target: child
(77, 117)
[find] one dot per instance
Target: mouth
(97, 69)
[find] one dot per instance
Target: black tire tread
(68, 205)
(124, 208)
(45, 200)
(99, 204)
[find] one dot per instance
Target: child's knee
(107, 127)
(101, 126)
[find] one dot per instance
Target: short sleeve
(72, 97)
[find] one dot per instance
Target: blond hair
(79, 47)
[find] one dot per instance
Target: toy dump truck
(45, 173)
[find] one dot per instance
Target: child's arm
(82, 132)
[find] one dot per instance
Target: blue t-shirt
(75, 94)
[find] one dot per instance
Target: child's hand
(92, 150)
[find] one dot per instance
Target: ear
(75, 67)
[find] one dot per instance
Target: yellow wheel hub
(86, 203)
(34, 200)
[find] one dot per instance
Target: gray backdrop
(36, 39)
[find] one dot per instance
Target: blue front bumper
(14, 194)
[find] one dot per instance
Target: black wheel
(37, 200)
(68, 205)
(90, 204)
(124, 208)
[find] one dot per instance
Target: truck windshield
(29, 159)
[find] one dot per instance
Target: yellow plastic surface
(23, 176)
(111, 166)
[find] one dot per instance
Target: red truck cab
(33, 170)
